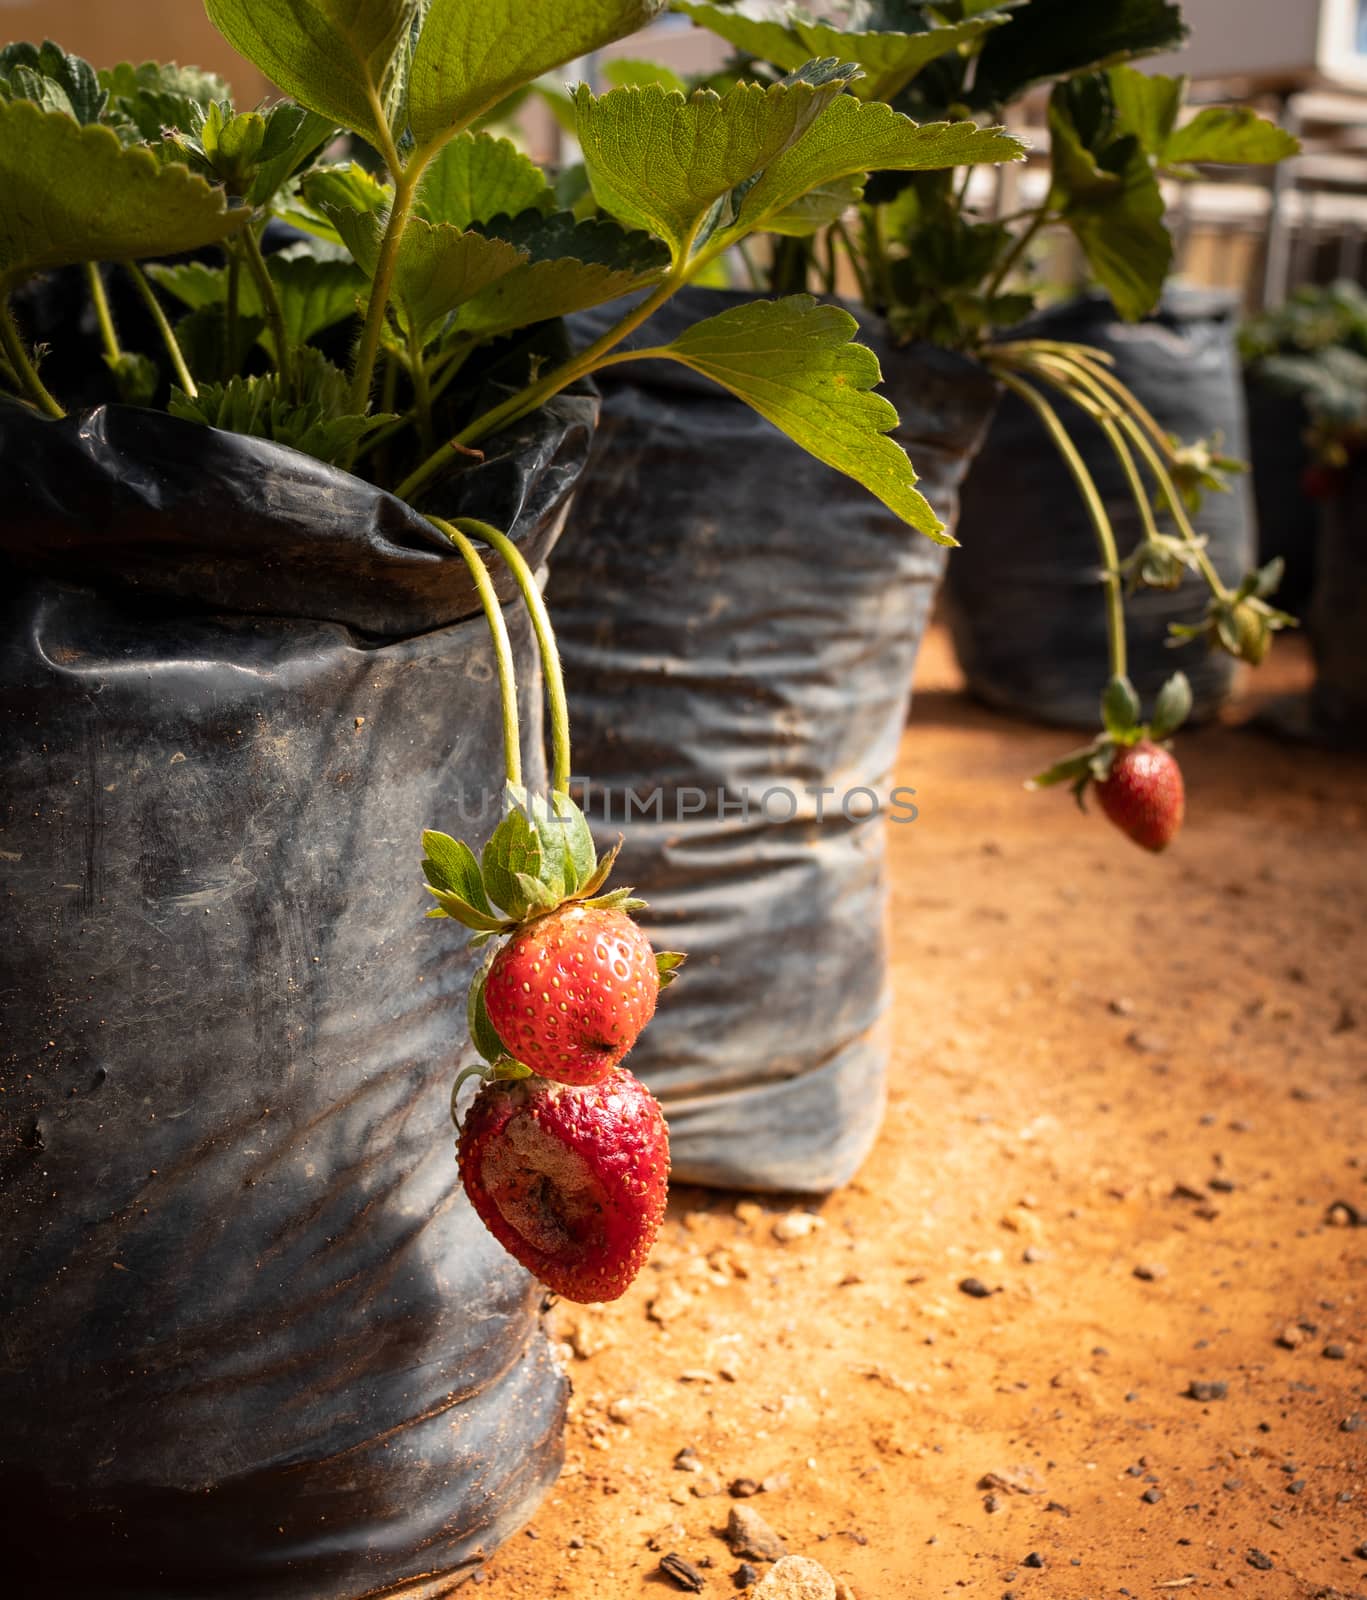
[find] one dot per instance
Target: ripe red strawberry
(1143, 795)
(571, 1181)
(570, 992)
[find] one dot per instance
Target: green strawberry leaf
(314, 295)
(513, 853)
(661, 162)
(337, 57)
(573, 265)
(313, 419)
(146, 100)
(888, 59)
(294, 136)
(450, 864)
(794, 361)
(1120, 709)
(1052, 39)
(476, 177)
(75, 194)
(483, 1034)
(818, 208)
(622, 72)
(1172, 708)
(1232, 135)
(52, 79)
(438, 269)
(472, 54)
(851, 138)
(1146, 105)
(1109, 197)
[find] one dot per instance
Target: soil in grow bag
(1022, 597)
(739, 626)
(257, 1344)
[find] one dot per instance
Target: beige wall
(106, 32)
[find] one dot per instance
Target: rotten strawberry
(571, 1181)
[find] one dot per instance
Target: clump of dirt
(1090, 1322)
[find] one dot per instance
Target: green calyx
(1241, 624)
(1121, 728)
(539, 858)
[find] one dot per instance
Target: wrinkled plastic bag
(257, 1343)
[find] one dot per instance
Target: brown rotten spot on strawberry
(570, 1180)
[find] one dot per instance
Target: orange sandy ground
(1115, 1061)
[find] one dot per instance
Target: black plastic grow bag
(1022, 597)
(256, 1343)
(1336, 617)
(737, 621)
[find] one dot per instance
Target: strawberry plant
(447, 254)
(938, 272)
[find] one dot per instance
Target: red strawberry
(570, 992)
(1143, 795)
(571, 1181)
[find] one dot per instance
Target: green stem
(1101, 523)
(382, 284)
(24, 371)
(1014, 254)
(839, 231)
(164, 328)
(503, 651)
(270, 303)
(752, 271)
(422, 394)
(528, 399)
(879, 274)
(545, 639)
(103, 315)
(1114, 399)
(230, 325)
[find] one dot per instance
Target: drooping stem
(103, 315)
(164, 328)
(25, 372)
(270, 304)
(545, 639)
(1101, 523)
(1069, 374)
(503, 651)
(839, 231)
